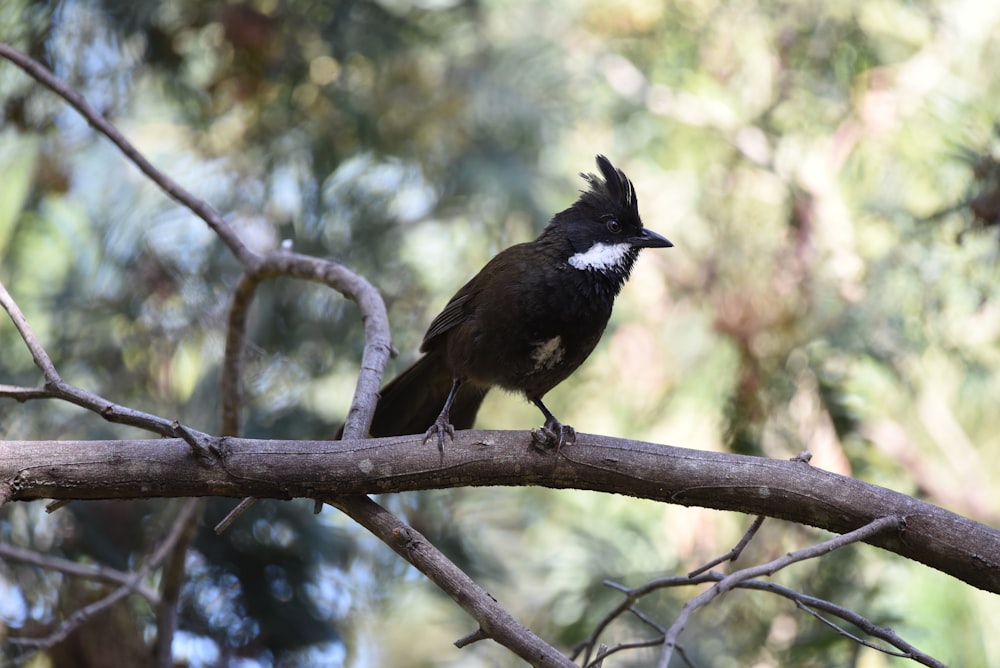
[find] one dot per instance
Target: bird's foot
(553, 434)
(440, 428)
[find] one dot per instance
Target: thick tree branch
(961, 547)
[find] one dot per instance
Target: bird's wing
(454, 313)
(461, 306)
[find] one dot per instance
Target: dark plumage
(527, 320)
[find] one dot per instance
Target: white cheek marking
(600, 256)
(547, 354)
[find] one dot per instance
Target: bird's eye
(614, 226)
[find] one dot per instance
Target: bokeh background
(827, 172)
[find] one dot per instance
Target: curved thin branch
(376, 353)
(378, 343)
(42, 75)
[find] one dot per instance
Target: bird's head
(603, 226)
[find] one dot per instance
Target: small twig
(602, 650)
(627, 605)
(57, 505)
(636, 644)
(622, 647)
(588, 644)
(905, 650)
(42, 360)
(684, 657)
(22, 394)
(473, 637)
(232, 360)
(734, 553)
(234, 514)
(647, 620)
(872, 528)
(197, 442)
(80, 616)
(847, 634)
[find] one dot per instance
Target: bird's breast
(532, 333)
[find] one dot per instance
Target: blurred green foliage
(826, 170)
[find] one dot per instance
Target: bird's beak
(650, 239)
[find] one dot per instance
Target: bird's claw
(440, 427)
(551, 435)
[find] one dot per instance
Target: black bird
(527, 320)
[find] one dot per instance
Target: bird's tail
(411, 402)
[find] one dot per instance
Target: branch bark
(963, 548)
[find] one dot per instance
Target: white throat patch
(601, 256)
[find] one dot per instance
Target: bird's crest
(614, 187)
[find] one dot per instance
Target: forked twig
(725, 584)
(734, 553)
(811, 604)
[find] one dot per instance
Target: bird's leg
(553, 433)
(443, 424)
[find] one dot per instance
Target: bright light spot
(622, 75)
(12, 605)
(324, 70)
